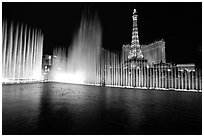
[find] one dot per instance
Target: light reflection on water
(57, 108)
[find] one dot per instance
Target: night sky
(178, 24)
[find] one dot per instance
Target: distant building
(154, 52)
(186, 67)
(47, 61)
(144, 55)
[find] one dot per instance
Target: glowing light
(80, 64)
(76, 78)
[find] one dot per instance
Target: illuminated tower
(135, 50)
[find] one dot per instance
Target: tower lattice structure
(135, 51)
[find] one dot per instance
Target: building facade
(152, 53)
(47, 62)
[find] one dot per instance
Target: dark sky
(179, 24)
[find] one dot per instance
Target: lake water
(58, 108)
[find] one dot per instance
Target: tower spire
(135, 45)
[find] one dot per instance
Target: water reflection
(54, 117)
(20, 108)
(57, 108)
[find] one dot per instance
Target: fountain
(86, 62)
(79, 64)
(21, 53)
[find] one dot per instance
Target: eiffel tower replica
(135, 56)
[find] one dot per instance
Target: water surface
(58, 108)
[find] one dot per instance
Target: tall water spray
(87, 63)
(79, 64)
(21, 53)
